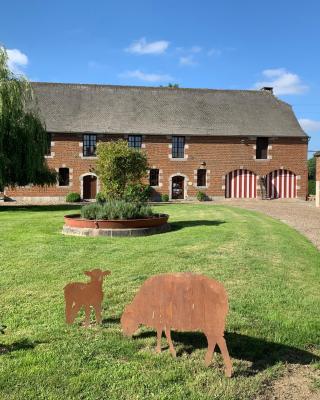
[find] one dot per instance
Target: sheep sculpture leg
(168, 336)
(98, 312)
(159, 335)
(225, 355)
(212, 341)
(87, 317)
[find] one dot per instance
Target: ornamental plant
(201, 196)
(119, 167)
(116, 209)
(137, 193)
(73, 197)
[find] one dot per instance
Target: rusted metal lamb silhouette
(90, 294)
(182, 302)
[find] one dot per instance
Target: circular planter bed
(75, 225)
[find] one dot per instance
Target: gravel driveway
(301, 215)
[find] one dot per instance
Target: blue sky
(228, 44)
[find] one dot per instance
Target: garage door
(242, 184)
(281, 184)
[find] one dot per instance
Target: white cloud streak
(187, 60)
(141, 46)
(309, 125)
(283, 82)
(146, 77)
(214, 52)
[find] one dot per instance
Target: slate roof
(163, 111)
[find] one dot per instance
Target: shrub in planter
(201, 196)
(101, 198)
(165, 197)
(116, 209)
(137, 193)
(73, 197)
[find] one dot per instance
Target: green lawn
(271, 273)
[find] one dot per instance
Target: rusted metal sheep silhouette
(87, 295)
(181, 302)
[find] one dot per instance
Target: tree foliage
(119, 166)
(312, 168)
(23, 138)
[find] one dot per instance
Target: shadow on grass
(23, 344)
(261, 353)
(112, 320)
(53, 207)
(177, 225)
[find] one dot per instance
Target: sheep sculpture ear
(88, 273)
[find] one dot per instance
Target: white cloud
(196, 49)
(283, 81)
(141, 46)
(309, 125)
(16, 60)
(187, 60)
(142, 76)
(214, 52)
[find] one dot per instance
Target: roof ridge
(171, 89)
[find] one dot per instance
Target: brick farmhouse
(225, 143)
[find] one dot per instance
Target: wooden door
(177, 190)
(281, 184)
(241, 184)
(89, 187)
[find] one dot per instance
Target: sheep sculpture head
(129, 322)
(97, 274)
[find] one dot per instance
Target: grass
(270, 271)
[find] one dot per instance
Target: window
(89, 145)
(135, 141)
(48, 148)
(202, 177)
(63, 176)
(178, 146)
(154, 177)
(262, 148)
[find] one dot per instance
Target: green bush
(73, 197)
(137, 193)
(2, 328)
(312, 187)
(116, 209)
(201, 196)
(100, 198)
(165, 197)
(119, 166)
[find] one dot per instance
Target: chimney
(317, 156)
(267, 89)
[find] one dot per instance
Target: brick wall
(318, 166)
(220, 155)
(317, 155)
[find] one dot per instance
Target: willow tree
(23, 138)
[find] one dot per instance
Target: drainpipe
(317, 156)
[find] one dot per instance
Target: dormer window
(178, 143)
(135, 141)
(89, 145)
